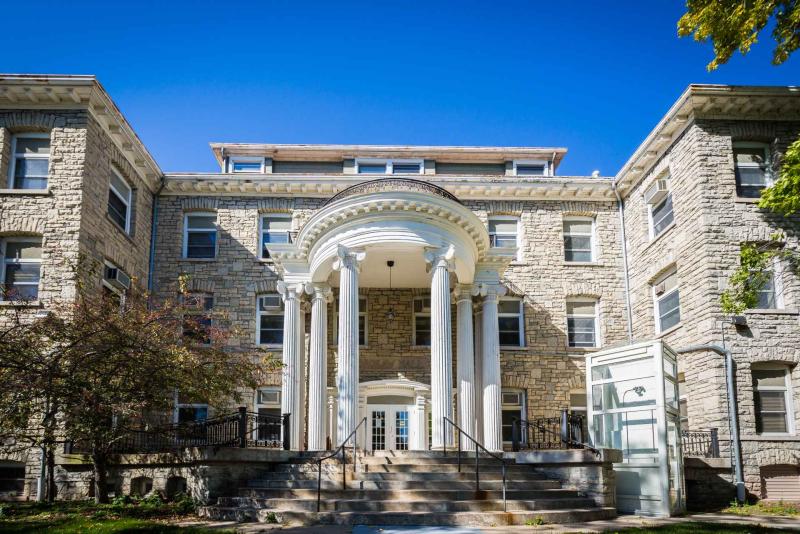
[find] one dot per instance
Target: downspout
(153, 228)
(733, 419)
(620, 207)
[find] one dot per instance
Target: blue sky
(594, 77)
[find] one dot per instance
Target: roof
(66, 92)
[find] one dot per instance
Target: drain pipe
(733, 419)
(153, 228)
(620, 206)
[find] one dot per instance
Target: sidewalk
(612, 525)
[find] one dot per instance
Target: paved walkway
(622, 522)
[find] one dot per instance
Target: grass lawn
(74, 517)
(764, 508)
(701, 528)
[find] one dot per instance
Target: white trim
(769, 179)
(651, 223)
(547, 171)
(517, 235)
(595, 316)
(521, 408)
(520, 315)
(389, 163)
(276, 311)
(423, 313)
(13, 163)
(231, 160)
(4, 262)
(592, 237)
(657, 299)
(127, 201)
(786, 389)
(271, 215)
(186, 231)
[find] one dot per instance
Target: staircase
(405, 488)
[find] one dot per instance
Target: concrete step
(331, 467)
(359, 475)
(427, 460)
(405, 494)
(345, 505)
(485, 518)
(332, 483)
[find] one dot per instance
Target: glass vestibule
(633, 405)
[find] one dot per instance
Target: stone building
(407, 283)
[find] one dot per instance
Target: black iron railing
(478, 447)
(242, 429)
(566, 431)
(342, 448)
(702, 443)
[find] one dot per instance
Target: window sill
(120, 229)
(22, 192)
(20, 304)
(269, 346)
(772, 311)
(770, 437)
(745, 200)
(512, 348)
(583, 349)
(581, 263)
(656, 239)
(198, 260)
(669, 330)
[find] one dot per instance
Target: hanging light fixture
(390, 315)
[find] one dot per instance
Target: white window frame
(584, 410)
(522, 407)
(257, 399)
(362, 312)
(261, 231)
(657, 298)
(786, 389)
(127, 201)
(415, 314)
(651, 222)
(776, 270)
(5, 262)
(526, 162)
(596, 316)
(390, 165)
(13, 163)
(246, 159)
(769, 179)
(592, 237)
(517, 235)
(186, 232)
(520, 315)
(274, 310)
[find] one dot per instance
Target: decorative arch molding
(515, 380)
(393, 386)
(269, 285)
(199, 203)
(667, 263)
(754, 234)
(504, 207)
(196, 285)
(114, 254)
(276, 205)
(776, 355)
(583, 290)
(22, 121)
(754, 131)
(33, 226)
(776, 456)
(579, 213)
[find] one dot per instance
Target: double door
(388, 427)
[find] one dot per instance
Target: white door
(388, 427)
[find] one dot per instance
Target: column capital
(442, 257)
(489, 291)
(346, 257)
(289, 291)
(319, 291)
(463, 292)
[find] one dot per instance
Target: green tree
(733, 25)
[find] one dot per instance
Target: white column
(420, 425)
(318, 366)
(441, 347)
(347, 264)
(478, 330)
(465, 365)
(292, 376)
(492, 416)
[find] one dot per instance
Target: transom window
(422, 321)
(270, 319)
(200, 235)
(661, 216)
(667, 302)
(21, 268)
(362, 321)
(582, 323)
(503, 231)
(579, 239)
(510, 322)
(197, 320)
(275, 229)
(119, 201)
(371, 166)
(751, 167)
(772, 388)
(30, 162)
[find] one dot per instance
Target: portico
(438, 245)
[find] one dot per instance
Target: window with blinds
(503, 232)
(772, 392)
(579, 240)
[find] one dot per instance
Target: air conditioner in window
(660, 288)
(656, 192)
(117, 278)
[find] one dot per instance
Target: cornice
(55, 92)
(325, 186)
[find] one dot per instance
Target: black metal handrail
(341, 448)
(461, 432)
(702, 443)
(563, 432)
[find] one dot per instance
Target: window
(371, 166)
(115, 283)
(579, 240)
(191, 413)
(119, 201)
(30, 162)
(21, 269)
(362, 321)
(197, 319)
(577, 403)
(661, 216)
(683, 401)
(503, 231)
(510, 322)
(200, 235)
(275, 229)
(422, 322)
(770, 296)
(772, 389)
(751, 167)
(667, 302)
(268, 405)
(246, 165)
(582, 324)
(270, 320)
(530, 168)
(513, 407)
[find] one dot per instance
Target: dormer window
(376, 166)
(243, 165)
(531, 168)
